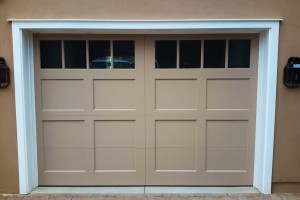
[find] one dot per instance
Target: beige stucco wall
(287, 134)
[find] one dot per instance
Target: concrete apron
(253, 196)
(145, 190)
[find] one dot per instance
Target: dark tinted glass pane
(190, 53)
(214, 53)
(165, 53)
(123, 54)
(99, 54)
(239, 54)
(75, 54)
(50, 51)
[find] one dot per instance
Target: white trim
(25, 109)
(266, 106)
(144, 25)
(130, 20)
(24, 81)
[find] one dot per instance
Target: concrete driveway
(153, 197)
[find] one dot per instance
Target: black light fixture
(292, 73)
(4, 74)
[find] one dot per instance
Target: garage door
(145, 109)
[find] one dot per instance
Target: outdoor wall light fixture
(292, 72)
(4, 74)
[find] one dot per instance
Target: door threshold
(145, 190)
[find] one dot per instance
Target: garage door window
(172, 54)
(73, 54)
(165, 54)
(214, 53)
(190, 53)
(239, 54)
(51, 56)
(123, 53)
(99, 54)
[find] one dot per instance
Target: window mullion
(177, 55)
(226, 53)
(63, 54)
(111, 55)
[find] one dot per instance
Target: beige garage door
(145, 109)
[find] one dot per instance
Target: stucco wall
(287, 134)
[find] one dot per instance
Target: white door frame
(22, 31)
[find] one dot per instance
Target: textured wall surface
(287, 133)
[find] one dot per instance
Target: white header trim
(25, 94)
(130, 20)
(141, 25)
